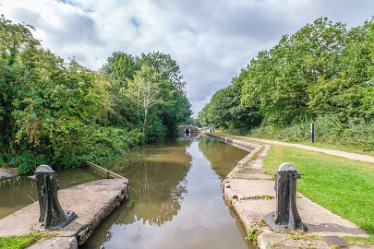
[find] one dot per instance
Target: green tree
(166, 68)
(173, 106)
(64, 114)
(225, 111)
(282, 82)
(144, 90)
(51, 111)
(118, 71)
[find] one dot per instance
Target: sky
(211, 40)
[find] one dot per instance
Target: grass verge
(365, 241)
(20, 242)
(306, 142)
(340, 147)
(344, 186)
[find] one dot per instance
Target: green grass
(340, 147)
(318, 145)
(252, 235)
(344, 186)
(19, 242)
(365, 241)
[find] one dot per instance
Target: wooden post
(107, 172)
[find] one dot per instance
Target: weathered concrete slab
(245, 185)
(268, 239)
(250, 176)
(319, 220)
(258, 162)
(92, 202)
(247, 146)
(250, 167)
(253, 211)
(242, 189)
(323, 222)
(56, 243)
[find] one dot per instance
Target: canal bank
(92, 202)
(176, 199)
(251, 194)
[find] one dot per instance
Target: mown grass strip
(365, 241)
(345, 148)
(340, 147)
(19, 242)
(344, 186)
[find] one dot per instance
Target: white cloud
(210, 40)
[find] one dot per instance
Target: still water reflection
(21, 191)
(177, 200)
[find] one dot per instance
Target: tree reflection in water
(177, 199)
(157, 182)
(21, 191)
(223, 158)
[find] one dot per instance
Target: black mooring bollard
(285, 218)
(312, 133)
(51, 213)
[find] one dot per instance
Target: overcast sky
(211, 40)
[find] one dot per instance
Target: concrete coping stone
(91, 201)
(245, 196)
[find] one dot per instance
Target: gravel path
(339, 153)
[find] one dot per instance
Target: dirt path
(339, 153)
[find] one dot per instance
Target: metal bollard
(285, 218)
(51, 213)
(312, 133)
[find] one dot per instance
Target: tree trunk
(145, 123)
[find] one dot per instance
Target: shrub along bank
(356, 134)
(61, 113)
(323, 73)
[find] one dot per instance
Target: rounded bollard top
(286, 167)
(44, 169)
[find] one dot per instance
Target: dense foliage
(224, 110)
(323, 73)
(63, 114)
(147, 93)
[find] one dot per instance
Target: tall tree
(165, 67)
(118, 71)
(282, 82)
(144, 90)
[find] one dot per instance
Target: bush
(328, 129)
(155, 130)
(359, 134)
(99, 144)
(26, 162)
(108, 143)
(95, 143)
(2, 162)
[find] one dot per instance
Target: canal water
(176, 198)
(21, 191)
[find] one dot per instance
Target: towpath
(339, 153)
(251, 194)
